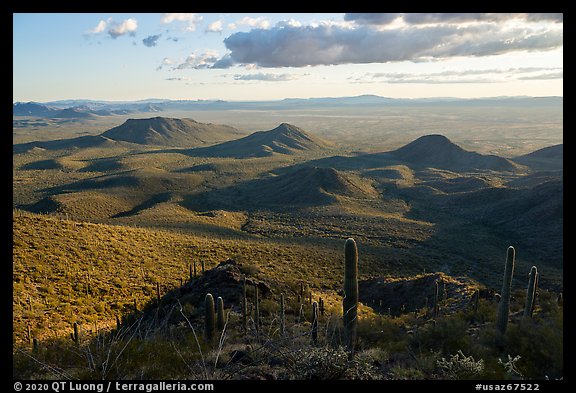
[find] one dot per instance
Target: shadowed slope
(170, 132)
(548, 158)
(439, 152)
(284, 139)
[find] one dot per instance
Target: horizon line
(288, 98)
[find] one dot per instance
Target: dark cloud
(383, 19)
(151, 40)
(372, 18)
(300, 46)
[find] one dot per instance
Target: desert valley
(127, 215)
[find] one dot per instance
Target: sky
(231, 56)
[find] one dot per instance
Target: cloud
(191, 21)
(165, 62)
(128, 26)
(383, 19)
(327, 44)
(199, 61)
(215, 27)
(544, 76)
(268, 77)
(463, 76)
(100, 27)
(259, 23)
(372, 18)
(179, 78)
(151, 40)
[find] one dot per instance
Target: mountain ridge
(283, 139)
(436, 150)
(166, 131)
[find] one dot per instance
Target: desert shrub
(539, 342)
(460, 366)
(331, 363)
(448, 335)
(406, 373)
(382, 332)
(269, 307)
(249, 269)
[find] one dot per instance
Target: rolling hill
(547, 158)
(170, 132)
(439, 152)
(310, 186)
(284, 139)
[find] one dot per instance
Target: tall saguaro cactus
(315, 323)
(350, 301)
(436, 298)
(282, 315)
(504, 305)
(531, 292)
(256, 310)
(76, 335)
(209, 319)
(220, 313)
(244, 307)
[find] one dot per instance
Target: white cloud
(191, 21)
(100, 27)
(199, 61)
(268, 77)
(215, 27)
(165, 62)
(128, 26)
(492, 75)
(258, 23)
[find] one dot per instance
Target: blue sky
(276, 56)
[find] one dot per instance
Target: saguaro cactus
(256, 309)
(531, 292)
(244, 307)
(436, 298)
(220, 313)
(321, 306)
(282, 315)
(209, 319)
(350, 301)
(315, 323)
(76, 335)
(476, 300)
(504, 304)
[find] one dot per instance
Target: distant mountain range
(103, 108)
